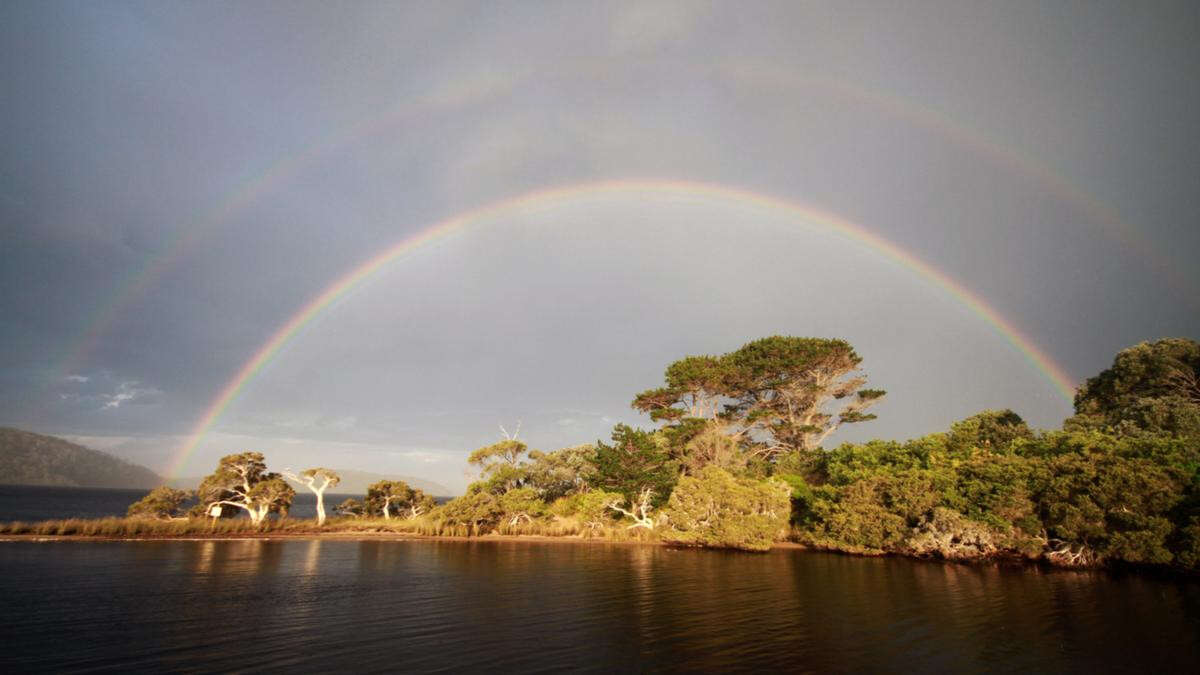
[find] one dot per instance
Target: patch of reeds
(136, 527)
(422, 526)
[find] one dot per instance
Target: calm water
(425, 605)
(31, 502)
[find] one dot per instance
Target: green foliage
(788, 392)
(562, 472)
(479, 511)
(715, 509)
(870, 514)
(1110, 506)
(162, 502)
(787, 386)
(395, 497)
(500, 466)
(990, 430)
(522, 504)
(992, 487)
(242, 481)
(590, 508)
(636, 460)
(1151, 387)
(497, 454)
(319, 478)
(351, 508)
(695, 386)
(710, 446)
(947, 534)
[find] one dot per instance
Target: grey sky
(1042, 155)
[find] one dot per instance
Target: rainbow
(475, 91)
(545, 198)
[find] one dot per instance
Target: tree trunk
(320, 507)
(386, 514)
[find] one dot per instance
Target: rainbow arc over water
(549, 197)
(473, 91)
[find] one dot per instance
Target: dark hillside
(27, 458)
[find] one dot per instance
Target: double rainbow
(545, 198)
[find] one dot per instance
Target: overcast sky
(177, 180)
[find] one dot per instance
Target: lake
(419, 605)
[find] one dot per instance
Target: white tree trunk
(320, 506)
(640, 512)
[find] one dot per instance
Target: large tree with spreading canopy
(780, 394)
(242, 481)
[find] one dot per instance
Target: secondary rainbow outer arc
(540, 198)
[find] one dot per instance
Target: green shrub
(718, 510)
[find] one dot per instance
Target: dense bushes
(1072, 498)
(717, 509)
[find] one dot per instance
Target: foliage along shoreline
(738, 461)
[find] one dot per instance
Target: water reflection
(237, 557)
(420, 605)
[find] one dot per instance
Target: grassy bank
(116, 528)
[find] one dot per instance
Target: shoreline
(371, 536)
(1034, 566)
(345, 536)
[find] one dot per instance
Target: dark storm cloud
(284, 143)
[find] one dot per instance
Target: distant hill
(27, 458)
(353, 483)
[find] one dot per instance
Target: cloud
(77, 378)
(130, 391)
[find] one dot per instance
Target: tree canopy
(242, 481)
(781, 393)
(162, 503)
(1151, 387)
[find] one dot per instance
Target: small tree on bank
(242, 481)
(163, 503)
(351, 508)
(382, 495)
(318, 480)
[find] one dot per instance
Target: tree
(783, 393)
(521, 504)
(1150, 387)
(318, 480)
(382, 494)
(351, 507)
(718, 510)
(242, 481)
(797, 391)
(591, 507)
(560, 473)
(478, 510)
(990, 430)
(1099, 503)
(635, 465)
(695, 388)
(419, 503)
(500, 466)
(162, 503)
